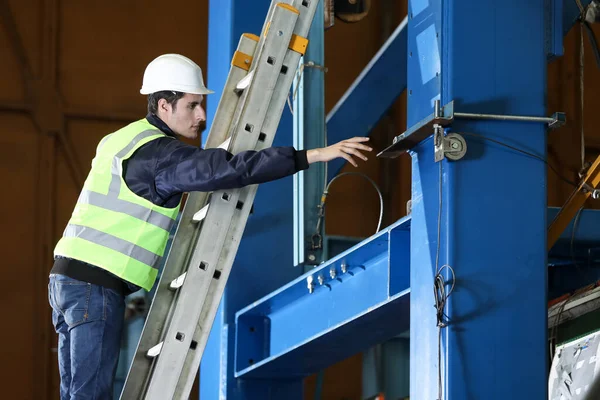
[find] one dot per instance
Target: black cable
(526, 153)
(593, 41)
(554, 331)
(439, 288)
(439, 221)
(441, 297)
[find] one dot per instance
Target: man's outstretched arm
(184, 168)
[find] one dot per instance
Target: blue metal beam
(488, 58)
(293, 333)
(371, 95)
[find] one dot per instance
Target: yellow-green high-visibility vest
(111, 227)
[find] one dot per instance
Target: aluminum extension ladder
(180, 318)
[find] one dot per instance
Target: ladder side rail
(230, 100)
(183, 241)
(247, 195)
(216, 289)
(212, 237)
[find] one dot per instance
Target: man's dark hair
(170, 96)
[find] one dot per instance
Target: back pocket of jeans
(73, 299)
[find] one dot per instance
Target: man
(119, 228)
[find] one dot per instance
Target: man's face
(187, 118)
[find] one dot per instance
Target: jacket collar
(160, 124)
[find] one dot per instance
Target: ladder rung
(200, 215)
(225, 144)
(177, 282)
(154, 351)
(244, 82)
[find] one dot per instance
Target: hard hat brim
(201, 91)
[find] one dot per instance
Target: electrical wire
(589, 30)
(439, 220)
(321, 205)
(593, 41)
(326, 192)
(435, 284)
(290, 98)
(299, 73)
(554, 332)
(439, 287)
(523, 152)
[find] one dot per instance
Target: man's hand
(344, 149)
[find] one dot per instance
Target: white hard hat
(173, 72)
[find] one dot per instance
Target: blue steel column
(309, 133)
(489, 57)
(265, 256)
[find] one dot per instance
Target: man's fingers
(357, 153)
(349, 159)
(358, 146)
(358, 139)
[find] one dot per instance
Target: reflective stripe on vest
(115, 183)
(112, 242)
(113, 203)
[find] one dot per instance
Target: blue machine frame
(272, 331)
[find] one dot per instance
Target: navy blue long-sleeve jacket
(163, 169)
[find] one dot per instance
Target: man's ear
(164, 105)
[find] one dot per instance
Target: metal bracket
(445, 116)
(419, 132)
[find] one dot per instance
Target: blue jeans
(89, 321)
